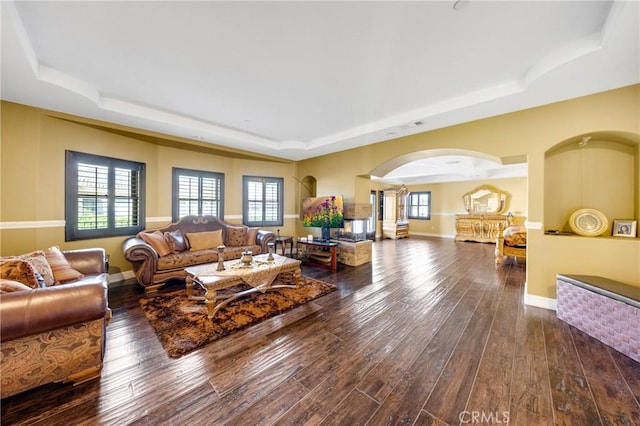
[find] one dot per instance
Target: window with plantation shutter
(262, 201)
(197, 193)
(104, 197)
(419, 205)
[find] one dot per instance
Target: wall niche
(595, 171)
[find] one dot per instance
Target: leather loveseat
(159, 255)
(55, 333)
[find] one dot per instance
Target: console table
(480, 228)
(318, 253)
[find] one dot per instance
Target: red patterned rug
(182, 325)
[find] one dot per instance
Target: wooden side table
(284, 241)
(320, 253)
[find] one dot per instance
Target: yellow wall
(32, 177)
(529, 133)
(446, 202)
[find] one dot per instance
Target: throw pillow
(39, 261)
(204, 240)
(9, 286)
(156, 240)
(175, 240)
(251, 238)
(62, 270)
(236, 236)
(20, 270)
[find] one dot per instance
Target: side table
(284, 241)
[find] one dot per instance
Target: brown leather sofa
(56, 333)
(154, 265)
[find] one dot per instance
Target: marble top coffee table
(260, 275)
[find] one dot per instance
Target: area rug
(182, 325)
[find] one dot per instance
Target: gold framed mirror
(486, 199)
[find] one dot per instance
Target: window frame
(411, 204)
(200, 174)
(246, 179)
(72, 196)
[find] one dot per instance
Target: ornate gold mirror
(486, 199)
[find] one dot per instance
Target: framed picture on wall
(625, 228)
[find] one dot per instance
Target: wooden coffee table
(259, 275)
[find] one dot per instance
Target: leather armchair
(57, 333)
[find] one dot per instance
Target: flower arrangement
(323, 212)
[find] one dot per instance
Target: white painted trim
(166, 219)
(538, 301)
(533, 225)
(119, 278)
(429, 234)
(33, 224)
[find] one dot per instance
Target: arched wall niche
(597, 170)
(308, 187)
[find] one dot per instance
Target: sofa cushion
(156, 240)
(22, 271)
(204, 240)
(190, 258)
(9, 286)
(252, 235)
(176, 241)
(40, 263)
(62, 270)
(236, 236)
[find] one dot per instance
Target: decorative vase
(326, 233)
(220, 258)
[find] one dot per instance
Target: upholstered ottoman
(606, 310)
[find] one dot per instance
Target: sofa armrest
(89, 261)
(23, 313)
(143, 258)
(264, 238)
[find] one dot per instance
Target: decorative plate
(588, 222)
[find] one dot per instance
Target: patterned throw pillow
(175, 240)
(20, 270)
(62, 270)
(236, 236)
(39, 261)
(10, 286)
(156, 240)
(204, 240)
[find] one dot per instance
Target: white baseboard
(116, 280)
(539, 301)
(429, 234)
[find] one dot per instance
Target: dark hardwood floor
(431, 332)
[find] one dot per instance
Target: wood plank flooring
(430, 333)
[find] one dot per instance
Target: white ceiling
(301, 79)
